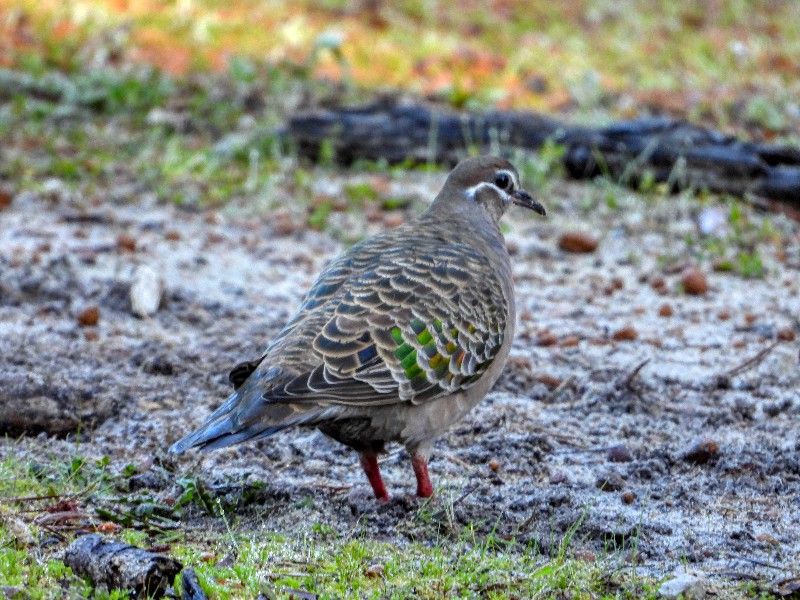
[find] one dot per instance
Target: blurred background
(194, 89)
(733, 62)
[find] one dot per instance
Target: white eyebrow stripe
(472, 191)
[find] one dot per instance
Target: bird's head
(486, 183)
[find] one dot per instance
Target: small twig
(629, 379)
(391, 457)
(762, 563)
(752, 361)
(559, 388)
(441, 512)
(298, 574)
(738, 575)
(299, 593)
(567, 451)
(294, 563)
(31, 498)
(466, 465)
(524, 525)
(334, 487)
(84, 491)
(59, 517)
(463, 496)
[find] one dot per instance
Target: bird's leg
(369, 462)
(420, 464)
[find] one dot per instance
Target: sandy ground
(692, 460)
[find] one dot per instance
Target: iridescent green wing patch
(445, 355)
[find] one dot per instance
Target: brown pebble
(494, 465)
(665, 310)
(619, 453)
(283, 223)
(337, 203)
(577, 242)
(393, 219)
(694, 281)
(172, 235)
(702, 451)
(723, 315)
(769, 539)
(549, 381)
(750, 318)
(625, 334)
(659, 284)
(374, 571)
(610, 482)
(546, 339)
(126, 242)
(628, 497)
(91, 335)
(374, 215)
(108, 527)
(5, 199)
(89, 316)
(570, 341)
(786, 334)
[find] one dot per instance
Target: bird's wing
(408, 328)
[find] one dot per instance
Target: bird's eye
(503, 181)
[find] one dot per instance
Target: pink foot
(424, 487)
(369, 462)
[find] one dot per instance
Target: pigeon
(397, 339)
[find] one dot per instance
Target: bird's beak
(523, 198)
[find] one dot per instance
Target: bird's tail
(232, 423)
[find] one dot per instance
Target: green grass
(364, 568)
(240, 559)
(235, 556)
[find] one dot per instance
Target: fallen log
(663, 150)
(116, 565)
(192, 590)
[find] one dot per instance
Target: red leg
(369, 462)
(424, 487)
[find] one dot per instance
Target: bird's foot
(424, 487)
(369, 462)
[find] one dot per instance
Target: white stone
(146, 291)
(690, 586)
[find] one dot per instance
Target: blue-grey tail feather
(222, 434)
(246, 415)
(225, 427)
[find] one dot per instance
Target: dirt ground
(628, 407)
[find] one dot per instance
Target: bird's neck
(477, 229)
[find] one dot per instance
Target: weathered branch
(678, 153)
(117, 565)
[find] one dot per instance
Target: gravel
(698, 413)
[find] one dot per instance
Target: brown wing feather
(411, 328)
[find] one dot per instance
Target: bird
(397, 339)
